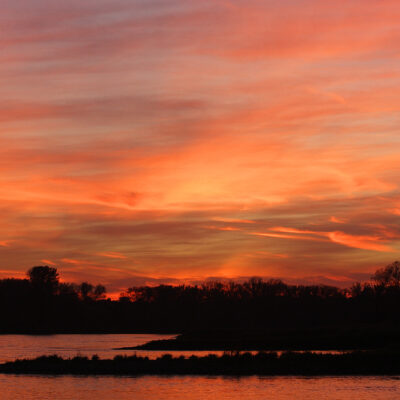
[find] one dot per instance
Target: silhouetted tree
(44, 304)
(44, 278)
(99, 292)
(388, 276)
(85, 290)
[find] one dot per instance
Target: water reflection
(198, 388)
(165, 388)
(29, 346)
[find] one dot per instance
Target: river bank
(230, 364)
(324, 338)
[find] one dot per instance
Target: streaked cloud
(112, 254)
(153, 141)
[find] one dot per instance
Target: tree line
(42, 304)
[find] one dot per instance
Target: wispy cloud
(113, 254)
(180, 140)
(371, 242)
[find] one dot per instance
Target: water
(30, 387)
(28, 346)
(198, 388)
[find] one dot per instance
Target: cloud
(48, 262)
(359, 242)
(284, 236)
(336, 220)
(233, 220)
(113, 254)
(356, 241)
(196, 139)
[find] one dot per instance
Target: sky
(172, 141)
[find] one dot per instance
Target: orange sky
(147, 141)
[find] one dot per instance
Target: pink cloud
(177, 136)
(336, 220)
(48, 262)
(359, 242)
(284, 236)
(113, 254)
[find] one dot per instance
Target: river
(28, 387)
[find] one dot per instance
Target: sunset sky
(166, 141)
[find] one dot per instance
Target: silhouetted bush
(288, 363)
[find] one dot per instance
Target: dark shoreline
(174, 345)
(87, 332)
(232, 364)
(323, 338)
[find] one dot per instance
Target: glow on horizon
(151, 141)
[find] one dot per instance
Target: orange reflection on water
(198, 388)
